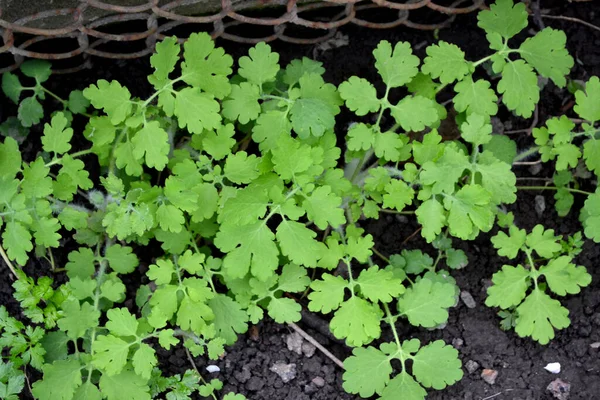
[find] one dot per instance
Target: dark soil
(474, 332)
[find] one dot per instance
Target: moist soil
(475, 332)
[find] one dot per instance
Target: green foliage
(252, 202)
(536, 314)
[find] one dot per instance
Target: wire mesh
(84, 31)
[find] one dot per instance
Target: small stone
(255, 384)
(294, 342)
(540, 205)
(559, 389)
(553, 367)
(318, 381)
(286, 372)
(489, 375)
(595, 345)
(535, 169)
(457, 343)
(308, 349)
(467, 299)
(471, 366)
(213, 368)
(310, 388)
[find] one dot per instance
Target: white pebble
(553, 367)
(213, 368)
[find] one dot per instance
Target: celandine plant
(242, 181)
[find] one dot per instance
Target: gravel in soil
(472, 328)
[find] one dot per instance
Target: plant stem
(63, 102)
(385, 210)
(191, 360)
(553, 188)
(380, 255)
(74, 155)
(526, 154)
(8, 263)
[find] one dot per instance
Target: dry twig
(316, 344)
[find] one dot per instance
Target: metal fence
(85, 30)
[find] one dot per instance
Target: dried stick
(571, 19)
(8, 263)
(316, 344)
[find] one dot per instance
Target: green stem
(7, 262)
(534, 273)
(392, 324)
(73, 155)
(384, 210)
(168, 86)
(526, 154)
(554, 188)
(380, 255)
(63, 102)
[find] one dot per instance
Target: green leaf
(519, 88)
(475, 97)
(30, 112)
(437, 365)
(269, 127)
(503, 148)
(387, 145)
(121, 322)
(249, 247)
(170, 218)
(360, 96)
(497, 178)
(324, 208)
(219, 143)
(56, 135)
(291, 157)
(71, 176)
(87, 391)
(194, 313)
(468, 210)
(46, 232)
(284, 310)
(590, 216)
(426, 303)
(77, 102)
(456, 259)
(110, 354)
(152, 142)
(166, 338)
(205, 66)
(311, 117)
(397, 195)
(11, 86)
(328, 293)
(432, 217)
(121, 259)
(510, 245)
(564, 277)
(77, 319)
(298, 243)
(164, 59)
(81, 263)
(379, 285)
(445, 61)
(504, 18)
(144, 360)
(547, 53)
(241, 168)
(126, 385)
(476, 130)
(10, 158)
(588, 101)
(36, 182)
(429, 149)
(357, 321)
(405, 384)
(509, 287)
(298, 68)
(396, 66)
(40, 70)
(60, 380)
(367, 371)
(543, 241)
(414, 113)
(113, 98)
(591, 155)
(230, 320)
(360, 137)
(161, 272)
(539, 315)
(196, 110)
(261, 66)
(446, 171)
(17, 241)
(242, 104)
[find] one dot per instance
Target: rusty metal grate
(86, 37)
